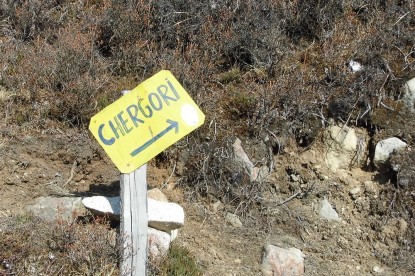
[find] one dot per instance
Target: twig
(172, 172)
(400, 18)
(276, 138)
(367, 110)
(391, 206)
(71, 175)
(387, 107)
(271, 160)
(289, 199)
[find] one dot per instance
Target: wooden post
(134, 221)
(134, 224)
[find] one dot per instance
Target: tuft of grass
(179, 262)
(233, 75)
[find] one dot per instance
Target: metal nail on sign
(147, 120)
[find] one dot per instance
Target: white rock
(384, 148)
(344, 136)
(233, 219)
(164, 216)
(261, 173)
(215, 206)
(355, 192)
(409, 94)
(173, 234)
(294, 178)
(243, 160)
(280, 261)
(158, 244)
(102, 205)
(342, 145)
(355, 66)
(377, 269)
(327, 211)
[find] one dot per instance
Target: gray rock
(327, 211)
(403, 163)
(156, 194)
(158, 245)
(57, 208)
(215, 206)
(384, 149)
(370, 188)
(233, 219)
(280, 261)
(355, 192)
(409, 94)
(294, 178)
(377, 269)
(262, 173)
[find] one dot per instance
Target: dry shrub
(313, 19)
(30, 246)
(258, 69)
(27, 19)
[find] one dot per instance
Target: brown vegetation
(272, 72)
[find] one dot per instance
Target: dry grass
(30, 246)
(254, 68)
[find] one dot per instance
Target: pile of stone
(164, 218)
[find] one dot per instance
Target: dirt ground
(38, 163)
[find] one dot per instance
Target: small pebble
(377, 269)
(370, 187)
(355, 192)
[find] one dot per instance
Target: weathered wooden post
(133, 130)
(134, 224)
(134, 221)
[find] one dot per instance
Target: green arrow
(172, 125)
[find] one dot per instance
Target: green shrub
(179, 262)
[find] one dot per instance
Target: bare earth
(39, 163)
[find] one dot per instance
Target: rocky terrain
(304, 163)
(341, 217)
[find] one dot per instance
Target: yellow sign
(144, 122)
